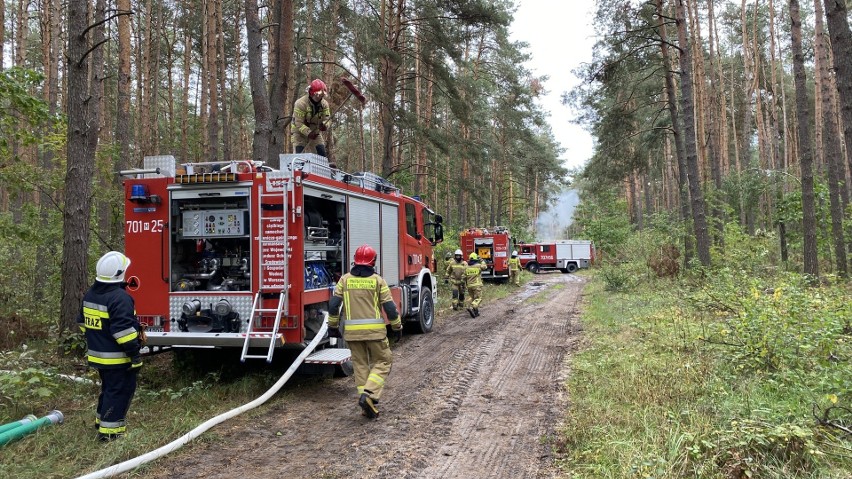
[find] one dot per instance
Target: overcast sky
(560, 36)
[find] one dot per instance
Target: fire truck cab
(493, 246)
(240, 255)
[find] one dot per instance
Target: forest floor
(475, 398)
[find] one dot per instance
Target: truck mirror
(439, 219)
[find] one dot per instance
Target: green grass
(657, 393)
(168, 403)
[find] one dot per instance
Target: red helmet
(316, 86)
(365, 255)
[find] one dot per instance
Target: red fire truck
(492, 245)
(564, 255)
(240, 255)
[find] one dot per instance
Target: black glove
(313, 135)
(136, 363)
(334, 333)
(397, 335)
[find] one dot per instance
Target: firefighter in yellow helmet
(515, 269)
(311, 117)
(455, 273)
(360, 293)
(473, 281)
(108, 318)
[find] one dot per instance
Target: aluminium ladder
(266, 243)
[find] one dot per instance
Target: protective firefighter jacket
(455, 270)
(514, 264)
(360, 293)
(108, 318)
(473, 273)
(307, 118)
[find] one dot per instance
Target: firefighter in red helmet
(357, 298)
(311, 117)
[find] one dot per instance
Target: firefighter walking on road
(455, 274)
(311, 117)
(515, 269)
(358, 297)
(108, 318)
(473, 279)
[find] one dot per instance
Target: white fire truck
(566, 256)
(238, 255)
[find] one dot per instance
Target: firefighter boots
(472, 312)
(369, 406)
(475, 312)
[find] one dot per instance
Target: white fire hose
(181, 441)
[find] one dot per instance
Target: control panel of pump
(214, 223)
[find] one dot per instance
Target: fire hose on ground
(186, 438)
(18, 429)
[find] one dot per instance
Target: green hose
(12, 425)
(13, 434)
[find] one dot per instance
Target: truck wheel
(534, 268)
(426, 315)
(572, 267)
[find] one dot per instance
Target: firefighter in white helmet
(455, 273)
(515, 269)
(108, 318)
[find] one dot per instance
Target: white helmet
(514, 253)
(111, 267)
(458, 252)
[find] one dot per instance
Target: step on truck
(240, 255)
(492, 245)
(566, 256)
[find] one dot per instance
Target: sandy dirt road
(475, 398)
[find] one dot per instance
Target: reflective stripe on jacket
(109, 320)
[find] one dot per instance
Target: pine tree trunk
(262, 115)
(841, 45)
(699, 221)
(680, 153)
(830, 143)
(85, 88)
(809, 225)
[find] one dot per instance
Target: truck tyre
(426, 315)
(572, 267)
(345, 369)
(533, 268)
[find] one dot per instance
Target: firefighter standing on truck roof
(455, 273)
(360, 292)
(311, 117)
(108, 318)
(473, 278)
(515, 269)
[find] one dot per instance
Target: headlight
(191, 307)
(223, 307)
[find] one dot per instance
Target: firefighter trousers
(117, 389)
(458, 293)
(372, 363)
(515, 277)
(475, 293)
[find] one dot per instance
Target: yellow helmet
(473, 256)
